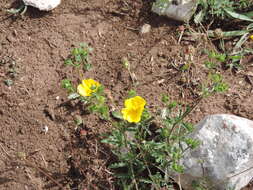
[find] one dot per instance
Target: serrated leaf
(117, 115)
(73, 96)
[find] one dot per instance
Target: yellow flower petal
(82, 90)
(251, 37)
(133, 109)
(87, 87)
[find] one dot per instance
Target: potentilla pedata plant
(148, 147)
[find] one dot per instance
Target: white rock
(226, 150)
(181, 10)
(43, 5)
(145, 29)
(45, 129)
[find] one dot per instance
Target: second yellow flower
(133, 109)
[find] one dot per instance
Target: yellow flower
(88, 87)
(251, 37)
(133, 109)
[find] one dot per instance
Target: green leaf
(212, 33)
(238, 16)
(210, 65)
(117, 115)
(87, 66)
(146, 181)
(165, 98)
(198, 18)
(73, 96)
(216, 78)
(117, 165)
(249, 14)
(177, 168)
(8, 82)
(221, 87)
(78, 58)
(221, 57)
(131, 93)
(75, 52)
(188, 126)
(68, 62)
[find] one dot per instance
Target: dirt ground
(32, 53)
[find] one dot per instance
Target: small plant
(215, 83)
(221, 10)
(226, 11)
(10, 68)
(80, 57)
(231, 62)
(148, 146)
(67, 85)
(21, 10)
(91, 94)
(146, 151)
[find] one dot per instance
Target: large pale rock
(226, 150)
(43, 5)
(181, 10)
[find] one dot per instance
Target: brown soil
(32, 52)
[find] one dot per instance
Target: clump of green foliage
(149, 152)
(151, 149)
(94, 103)
(80, 57)
(148, 146)
(216, 60)
(220, 9)
(215, 82)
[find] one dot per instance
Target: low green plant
(231, 62)
(91, 94)
(66, 83)
(148, 146)
(221, 10)
(21, 10)
(148, 151)
(80, 57)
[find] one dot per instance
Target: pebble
(43, 5)
(45, 129)
(146, 28)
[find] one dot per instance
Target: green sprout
(80, 57)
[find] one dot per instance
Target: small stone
(45, 129)
(145, 29)
(181, 10)
(43, 5)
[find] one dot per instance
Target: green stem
(183, 116)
